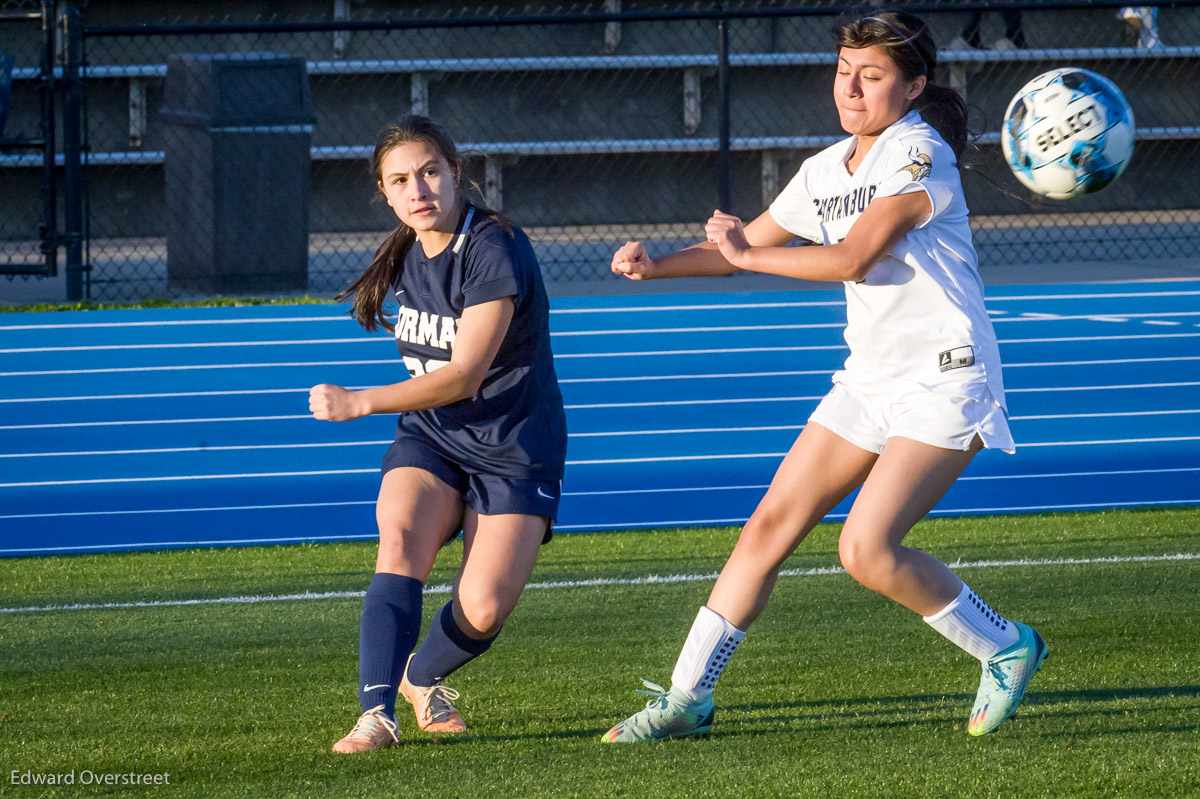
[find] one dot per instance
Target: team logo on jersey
(955, 358)
(920, 167)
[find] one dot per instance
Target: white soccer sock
(973, 626)
(709, 645)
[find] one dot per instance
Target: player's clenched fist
(632, 262)
(725, 231)
(334, 403)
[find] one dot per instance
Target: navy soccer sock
(445, 648)
(391, 619)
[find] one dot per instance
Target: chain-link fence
(28, 175)
(231, 156)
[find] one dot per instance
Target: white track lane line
(193, 345)
(342, 318)
(595, 462)
(178, 323)
(607, 379)
(606, 493)
(597, 582)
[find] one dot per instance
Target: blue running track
(185, 427)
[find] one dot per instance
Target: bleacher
(561, 125)
(423, 71)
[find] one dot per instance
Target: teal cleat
(1005, 676)
(669, 714)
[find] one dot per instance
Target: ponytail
(945, 111)
(371, 289)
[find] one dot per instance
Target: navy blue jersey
(514, 426)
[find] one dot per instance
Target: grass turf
(836, 690)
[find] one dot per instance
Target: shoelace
(998, 674)
(656, 691)
(368, 723)
(438, 699)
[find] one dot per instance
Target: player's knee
(769, 535)
(483, 610)
(391, 534)
(866, 562)
(764, 529)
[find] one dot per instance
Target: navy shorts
(486, 494)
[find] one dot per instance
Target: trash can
(237, 146)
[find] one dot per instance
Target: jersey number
(416, 367)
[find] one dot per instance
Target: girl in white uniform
(919, 395)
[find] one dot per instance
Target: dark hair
(371, 288)
(907, 41)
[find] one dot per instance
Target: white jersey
(919, 315)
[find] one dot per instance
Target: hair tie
(906, 39)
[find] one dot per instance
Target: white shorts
(868, 413)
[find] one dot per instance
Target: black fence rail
(32, 205)
(232, 157)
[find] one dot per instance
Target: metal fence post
(48, 229)
(724, 175)
(73, 153)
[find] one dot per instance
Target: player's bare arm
(480, 332)
(700, 260)
(881, 226)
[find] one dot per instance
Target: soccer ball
(1067, 133)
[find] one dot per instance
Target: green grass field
(836, 691)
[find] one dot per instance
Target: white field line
(597, 582)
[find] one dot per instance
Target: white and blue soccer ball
(1067, 133)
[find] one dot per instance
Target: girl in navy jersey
(918, 396)
(481, 436)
